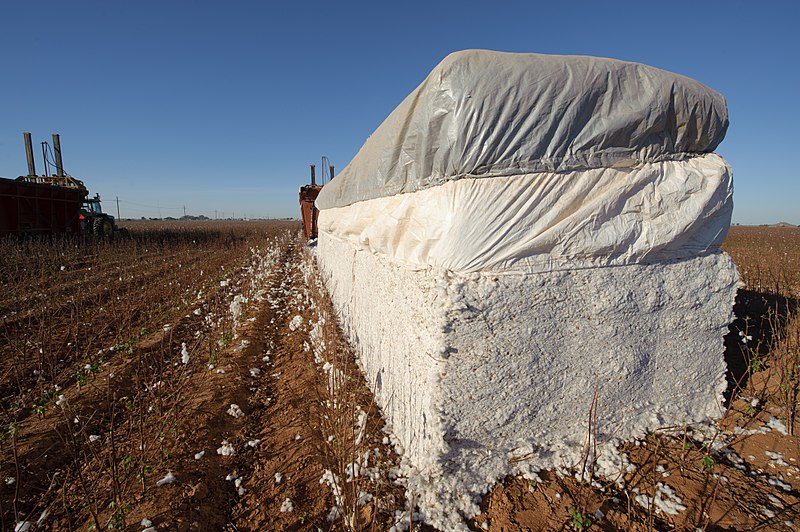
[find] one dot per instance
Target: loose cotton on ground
(522, 231)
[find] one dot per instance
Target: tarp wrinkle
(504, 161)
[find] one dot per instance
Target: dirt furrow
(143, 414)
(286, 465)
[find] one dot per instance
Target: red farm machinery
(50, 204)
(309, 193)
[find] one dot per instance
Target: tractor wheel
(103, 227)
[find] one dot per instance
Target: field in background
(121, 361)
(768, 258)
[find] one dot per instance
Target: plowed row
(193, 378)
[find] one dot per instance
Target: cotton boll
(334, 514)
(226, 449)
(777, 425)
(169, 478)
(296, 322)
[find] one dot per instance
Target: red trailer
(28, 208)
(50, 204)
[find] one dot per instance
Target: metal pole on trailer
(57, 151)
(29, 154)
(44, 156)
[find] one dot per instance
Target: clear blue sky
(223, 104)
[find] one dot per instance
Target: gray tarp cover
(487, 114)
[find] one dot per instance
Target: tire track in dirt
(173, 419)
(210, 486)
(185, 416)
(287, 464)
(316, 419)
(274, 383)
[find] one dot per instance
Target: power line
(152, 206)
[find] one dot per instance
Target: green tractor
(94, 221)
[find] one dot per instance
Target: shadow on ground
(761, 320)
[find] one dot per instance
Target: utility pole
(118, 216)
(215, 214)
(184, 210)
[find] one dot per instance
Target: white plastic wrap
(547, 221)
(486, 114)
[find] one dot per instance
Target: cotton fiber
(525, 233)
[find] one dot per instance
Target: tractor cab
(94, 220)
(92, 205)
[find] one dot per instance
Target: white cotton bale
(483, 374)
(522, 231)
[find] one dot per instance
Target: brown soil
(137, 413)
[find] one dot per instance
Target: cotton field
(196, 376)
